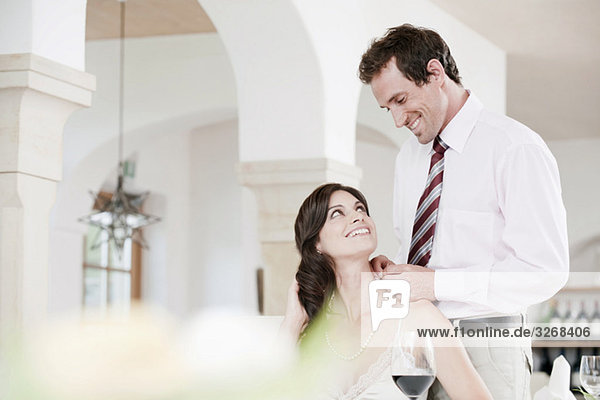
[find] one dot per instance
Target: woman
(335, 237)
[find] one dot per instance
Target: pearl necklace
(333, 350)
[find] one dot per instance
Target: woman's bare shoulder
(423, 313)
(422, 307)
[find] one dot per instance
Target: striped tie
(426, 217)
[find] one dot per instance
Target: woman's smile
(347, 218)
(360, 231)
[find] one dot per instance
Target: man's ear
(436, 71)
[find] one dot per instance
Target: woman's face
(348, 231)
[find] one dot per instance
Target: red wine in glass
(413, 363)
(413, 386)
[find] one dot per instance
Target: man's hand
(379, 263)
(420, 279)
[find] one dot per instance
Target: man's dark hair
(412, 47)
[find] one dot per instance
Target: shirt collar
(458, 130)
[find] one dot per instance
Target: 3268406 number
(563, 331)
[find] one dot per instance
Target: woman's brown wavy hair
(315, 276)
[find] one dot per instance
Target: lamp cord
(121, 85)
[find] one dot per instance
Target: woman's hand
(296, 317)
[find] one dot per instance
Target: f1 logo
(388, 299)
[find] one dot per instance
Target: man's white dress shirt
(500, 242)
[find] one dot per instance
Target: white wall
(163, 167)
(165, 78)
(579, 170)
(217, 276)
(376, 155)
(51, 29)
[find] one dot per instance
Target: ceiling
(146, 18)
(553, 50)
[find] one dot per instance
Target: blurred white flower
(221, 344)
(145, 356)
(115, 357)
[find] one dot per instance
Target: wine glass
(589, 374)
(413, 364)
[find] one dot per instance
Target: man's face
(422, 109)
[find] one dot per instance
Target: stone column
(37, 96)
(280, 187)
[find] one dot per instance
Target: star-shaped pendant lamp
(120, 216)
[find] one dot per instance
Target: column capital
(311, 171)
(30, 71)
(37, 96)
(280, 187)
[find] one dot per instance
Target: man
(477, 202)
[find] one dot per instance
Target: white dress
(375, 384)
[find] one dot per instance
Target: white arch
(89, 174)
(295, 73)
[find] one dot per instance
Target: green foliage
(586, 395)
